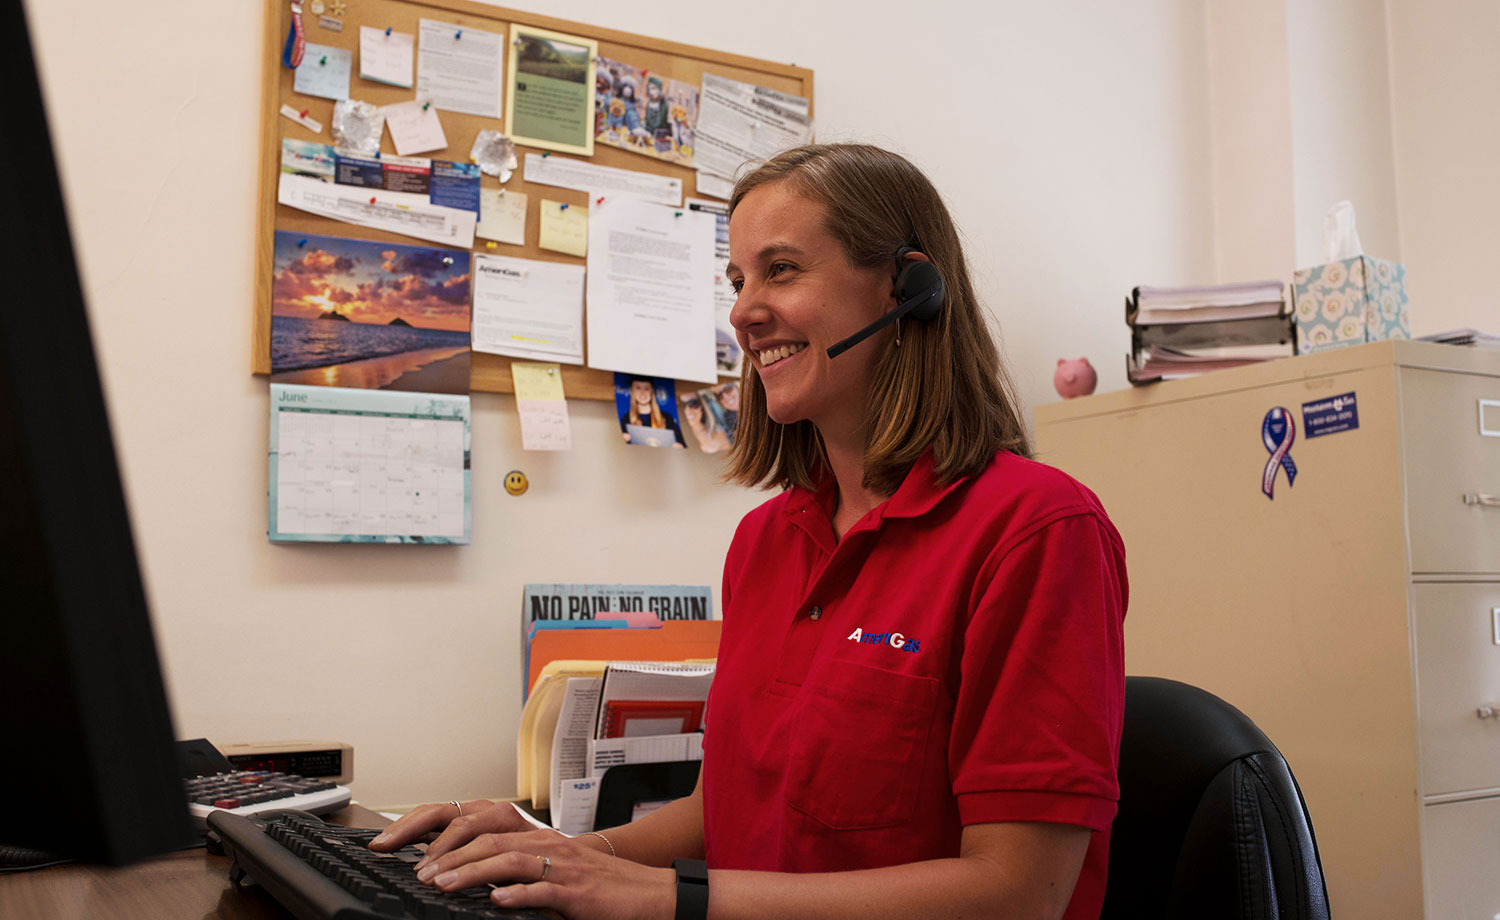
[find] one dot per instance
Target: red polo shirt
(956, 659)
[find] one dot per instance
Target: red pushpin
(599, 200)
(303, 113)
(372, 199)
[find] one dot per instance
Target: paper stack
(1186, 331)
(585, 716)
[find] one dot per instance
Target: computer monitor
(89, 770)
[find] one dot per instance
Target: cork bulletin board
(680, 62)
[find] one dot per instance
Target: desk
(189, 883)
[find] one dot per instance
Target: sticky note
(414, 127)
(502, 216)
(564, 228)
(536, 380)
(541, 406)
(384, 57)
(324, 72)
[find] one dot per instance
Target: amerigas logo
(893, 639)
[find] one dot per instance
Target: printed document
(458, 68)
(650, 290)
(738, 122)
(528, 309)
(608, 181)
(406, 213)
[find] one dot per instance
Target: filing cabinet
(1353, 612)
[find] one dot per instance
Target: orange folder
(676, 640)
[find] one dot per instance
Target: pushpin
(458, 34)
(599, 200)
(546, 154)
(302, 242)
(377, 154)
(303, 113)
(562, 207)
(447, 260)
(427, 105)
(551, 371)
(323, 60)
(678, 214)
(489, 244)
(387, 31)
(372, 199)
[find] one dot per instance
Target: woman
(920, 686)
(711, 438)
(644, 411)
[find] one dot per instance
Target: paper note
(650, 290)
(565, 172)
(712, 186)
(399, 212)
(739, 122)
(540, 403)
(324, 72)
(459, 68)
(378, 466)
(311, 124)
(385, 56)
(502, 216)
(727, 353)
(564, 228)
(414, 127)
(528, 309)
(573, 810)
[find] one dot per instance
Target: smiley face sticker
(515, 482)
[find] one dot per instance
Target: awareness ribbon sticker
(1277, 432)
(296, 42)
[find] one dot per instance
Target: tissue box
(1350, 302)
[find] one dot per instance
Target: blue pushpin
(459, 34)
(387, 31)
(562, 207)
(302, 242)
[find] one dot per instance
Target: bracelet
(605, 839)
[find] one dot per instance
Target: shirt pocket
(857, 746)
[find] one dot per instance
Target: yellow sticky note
(535, 380)
(565, 228)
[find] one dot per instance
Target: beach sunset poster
(356, 313)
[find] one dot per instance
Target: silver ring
(546, 864)
(458, 806)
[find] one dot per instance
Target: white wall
(1445, 94)
(1072, 140)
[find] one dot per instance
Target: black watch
(692, 889)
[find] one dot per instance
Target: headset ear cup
(923, 283)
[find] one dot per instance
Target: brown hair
(943, 389)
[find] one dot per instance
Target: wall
(1072, 141)
(1445, 101)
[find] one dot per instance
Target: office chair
(1211, 821)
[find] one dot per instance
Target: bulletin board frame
(490, 373)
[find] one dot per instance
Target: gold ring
(546, 864)
(458, 806)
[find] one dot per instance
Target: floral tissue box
(1350, 302)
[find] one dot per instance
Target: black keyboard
(321, 871)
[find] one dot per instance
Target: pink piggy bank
(1074, 378)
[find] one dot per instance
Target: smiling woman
(919, 692)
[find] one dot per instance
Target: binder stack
(1186, 331)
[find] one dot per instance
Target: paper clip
(372, 199)
(387, 31)
(599, 200)
(562, 207)
(303, 113)
(302, 242)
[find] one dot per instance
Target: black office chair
(1211, 821)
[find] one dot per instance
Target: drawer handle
(1489, 711)
(1482, 499)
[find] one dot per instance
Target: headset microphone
(919, 288)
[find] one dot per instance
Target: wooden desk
(189, 883)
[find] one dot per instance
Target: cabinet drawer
(1448, 458)
(1458, 672)
(1461, 860)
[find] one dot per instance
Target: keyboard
(321, 871)
(248, 792)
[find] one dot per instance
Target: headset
(919, 290)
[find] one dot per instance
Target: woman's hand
(492, 843)
(536, 868)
